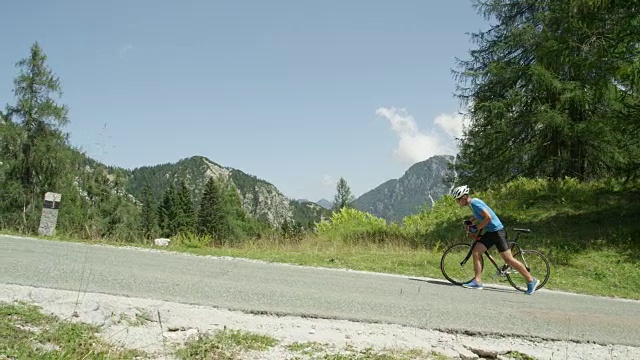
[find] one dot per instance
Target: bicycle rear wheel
(536, 263)
(456, 266)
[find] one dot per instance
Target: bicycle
(457, 268)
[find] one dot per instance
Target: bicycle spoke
(536, 263)
(451, 266)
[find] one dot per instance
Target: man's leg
(514, 263)
(478, 250)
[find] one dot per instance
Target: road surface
(261, 287)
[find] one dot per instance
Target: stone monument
(49, 216)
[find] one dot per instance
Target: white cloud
(416, 145)
(450, 123)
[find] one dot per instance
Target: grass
(316, 350)
(27, 333)
(231, 344)
(307, 348)
(224, 344)
(386, 354)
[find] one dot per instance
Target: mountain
(423, 183)
(261, 199)
(325, 203)
(306, 211)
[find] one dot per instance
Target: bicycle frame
(476, 238)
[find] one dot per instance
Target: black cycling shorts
(497, 238)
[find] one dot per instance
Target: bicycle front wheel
(537, 265)
(456, 264)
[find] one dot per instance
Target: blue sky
(298, 93)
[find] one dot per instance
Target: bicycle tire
(456, 253)
(522, 256)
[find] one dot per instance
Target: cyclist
(485, 219)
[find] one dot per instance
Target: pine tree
(12, 194)
(210, 214)
(185, 213)
(286, 229)
(167, 212)
(234, 204)
(343, 197)
(239, 224)
(551, 88)
(37, 156)
(148, 223)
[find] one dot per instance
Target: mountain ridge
(420, 185)
(325, 203)
(260, 198)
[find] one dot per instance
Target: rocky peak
(422, 184)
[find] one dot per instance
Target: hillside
(260, 198)
(325, 203)
(422, 184)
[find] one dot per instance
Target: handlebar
(467, 225)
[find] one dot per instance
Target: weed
(27, 333)
(224, 345)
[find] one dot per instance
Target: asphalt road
(327, 293)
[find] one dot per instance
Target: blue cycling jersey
(477, 207)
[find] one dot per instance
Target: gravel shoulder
(158, 327)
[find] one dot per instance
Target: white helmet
(460, 191)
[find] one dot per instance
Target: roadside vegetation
(27, 333)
